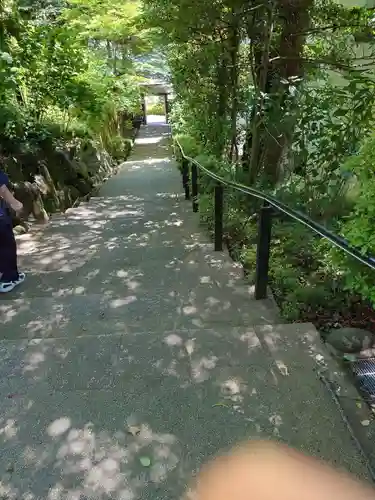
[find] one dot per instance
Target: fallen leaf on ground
(10, 468)
(145, 461)
(350, 357)
(220, 404)
(134, 430)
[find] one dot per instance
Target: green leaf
(145, 461)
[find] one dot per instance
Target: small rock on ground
(350, 340)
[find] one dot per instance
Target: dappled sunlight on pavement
(134, 352)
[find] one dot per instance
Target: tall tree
(234, 60)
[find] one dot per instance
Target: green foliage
(237, 70)
(329, 128)
(308, 277)
(279, 98)
(112, 27)
(189, 145)
(156, 109)
(358, 226)
(55, 80)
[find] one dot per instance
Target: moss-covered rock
(51, 178)
(350, 340)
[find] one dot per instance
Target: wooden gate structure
(159, 88)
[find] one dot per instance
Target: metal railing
(270, 206)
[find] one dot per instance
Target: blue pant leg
(8, 252)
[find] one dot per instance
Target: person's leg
(8, 255)
(270, 471)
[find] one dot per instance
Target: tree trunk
(114, 58)
(222, 104)
(109, 52)
(256, 136)
(234, 47)
(296, 19)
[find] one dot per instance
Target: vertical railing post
(194, 186)
(185, 178)
(218, 216)
(263, 251)
(144, 111)
(166, 105)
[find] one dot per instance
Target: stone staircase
(134, 352)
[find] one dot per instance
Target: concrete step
(165, 307)
(109, 260)
(129, 206)
(137, 234)
(145, 175)
(79, 413)
(62, 252)
(156, 198)
(71, 239)
(89, 217)
(70, 245)
(59, 248)
(123, 271)
(298, 349)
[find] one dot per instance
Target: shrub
(358, 227)
(156, 109)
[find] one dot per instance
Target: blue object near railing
(191, 169)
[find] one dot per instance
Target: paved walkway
(134, 352)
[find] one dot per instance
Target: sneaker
(21, 279)
(6, 286)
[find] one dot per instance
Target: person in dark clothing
(10, 277)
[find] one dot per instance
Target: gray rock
(350, 340)
(19, 230)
